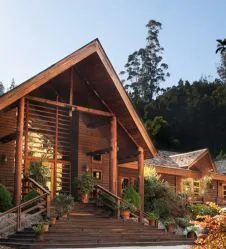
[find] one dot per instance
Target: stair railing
(106, 198)
(15, 218)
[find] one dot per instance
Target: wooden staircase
(91, 226)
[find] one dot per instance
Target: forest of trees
(187, 116)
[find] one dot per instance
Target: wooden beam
(72, 107)
(47, 75)
(71, 93)
(54, 187)
(99, 152)
(26, 166)
(8, 138)
(113, 156)
(141, 179)
(19, 152)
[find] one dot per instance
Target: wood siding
(89, 140)
(8, 121)
(171, 179)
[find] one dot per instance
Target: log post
(113, 156)
(141, 180)
(19, 152)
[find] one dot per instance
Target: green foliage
(153, 216)
(2, 88)
(30, 195)
(39, 173)
(86, 183)
(126, 206)
(160, 199)
(63, 204)
(12, 85)
(144, 70)
(183, 222)
(221, 46)
(202, 209)
(5, 199)
(169, 221)
(189, 110)
(130, 195)
(39, 228)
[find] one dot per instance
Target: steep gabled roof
(129, 118)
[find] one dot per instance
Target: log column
(19, 152)
(113, 156)
(141, 179)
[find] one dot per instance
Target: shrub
(5, 199)
(124, 206)
(216, 236)
(130, 195)
(30, 195)
(202, 209)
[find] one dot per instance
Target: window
(224, 191)
(97, 158)
(189, 186)
(196, 187)
(97, 174)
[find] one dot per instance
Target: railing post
(118, 209)
(48, 202)
(18, 223)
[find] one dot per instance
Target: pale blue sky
(35, 34)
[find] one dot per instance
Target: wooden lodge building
(76, 116)
(184, 172)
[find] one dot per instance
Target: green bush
(130, 195)
(30, 195)
(86, 183)
(39, 173)
(5, 199)
(202, 209)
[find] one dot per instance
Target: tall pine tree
(144, 70)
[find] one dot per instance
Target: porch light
(4, 158)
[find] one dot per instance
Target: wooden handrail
(37, 184)
(24, 208)
(119, 200)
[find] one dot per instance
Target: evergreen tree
(2, 88)
(144, 70)
(221, 46)
(12, 85)
(221, 70)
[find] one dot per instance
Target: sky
(36, 34)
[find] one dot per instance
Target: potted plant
(169, 224)
(53, 217)
(125, 209)
(39, 230)
(152, 217)
(86, 183)
(46, 226)
(63, 204)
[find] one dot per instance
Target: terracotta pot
(52, 220)
(152, 223)
(85, 198)
(39, 236)
(170, 228)
(45, 227)
(191, 235)
(125, 214)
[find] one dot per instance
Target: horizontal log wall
(91, 140)
(171, 180)
(8, 121)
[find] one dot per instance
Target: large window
(191, 186)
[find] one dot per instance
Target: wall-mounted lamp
(86, 168)
(4, 158)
